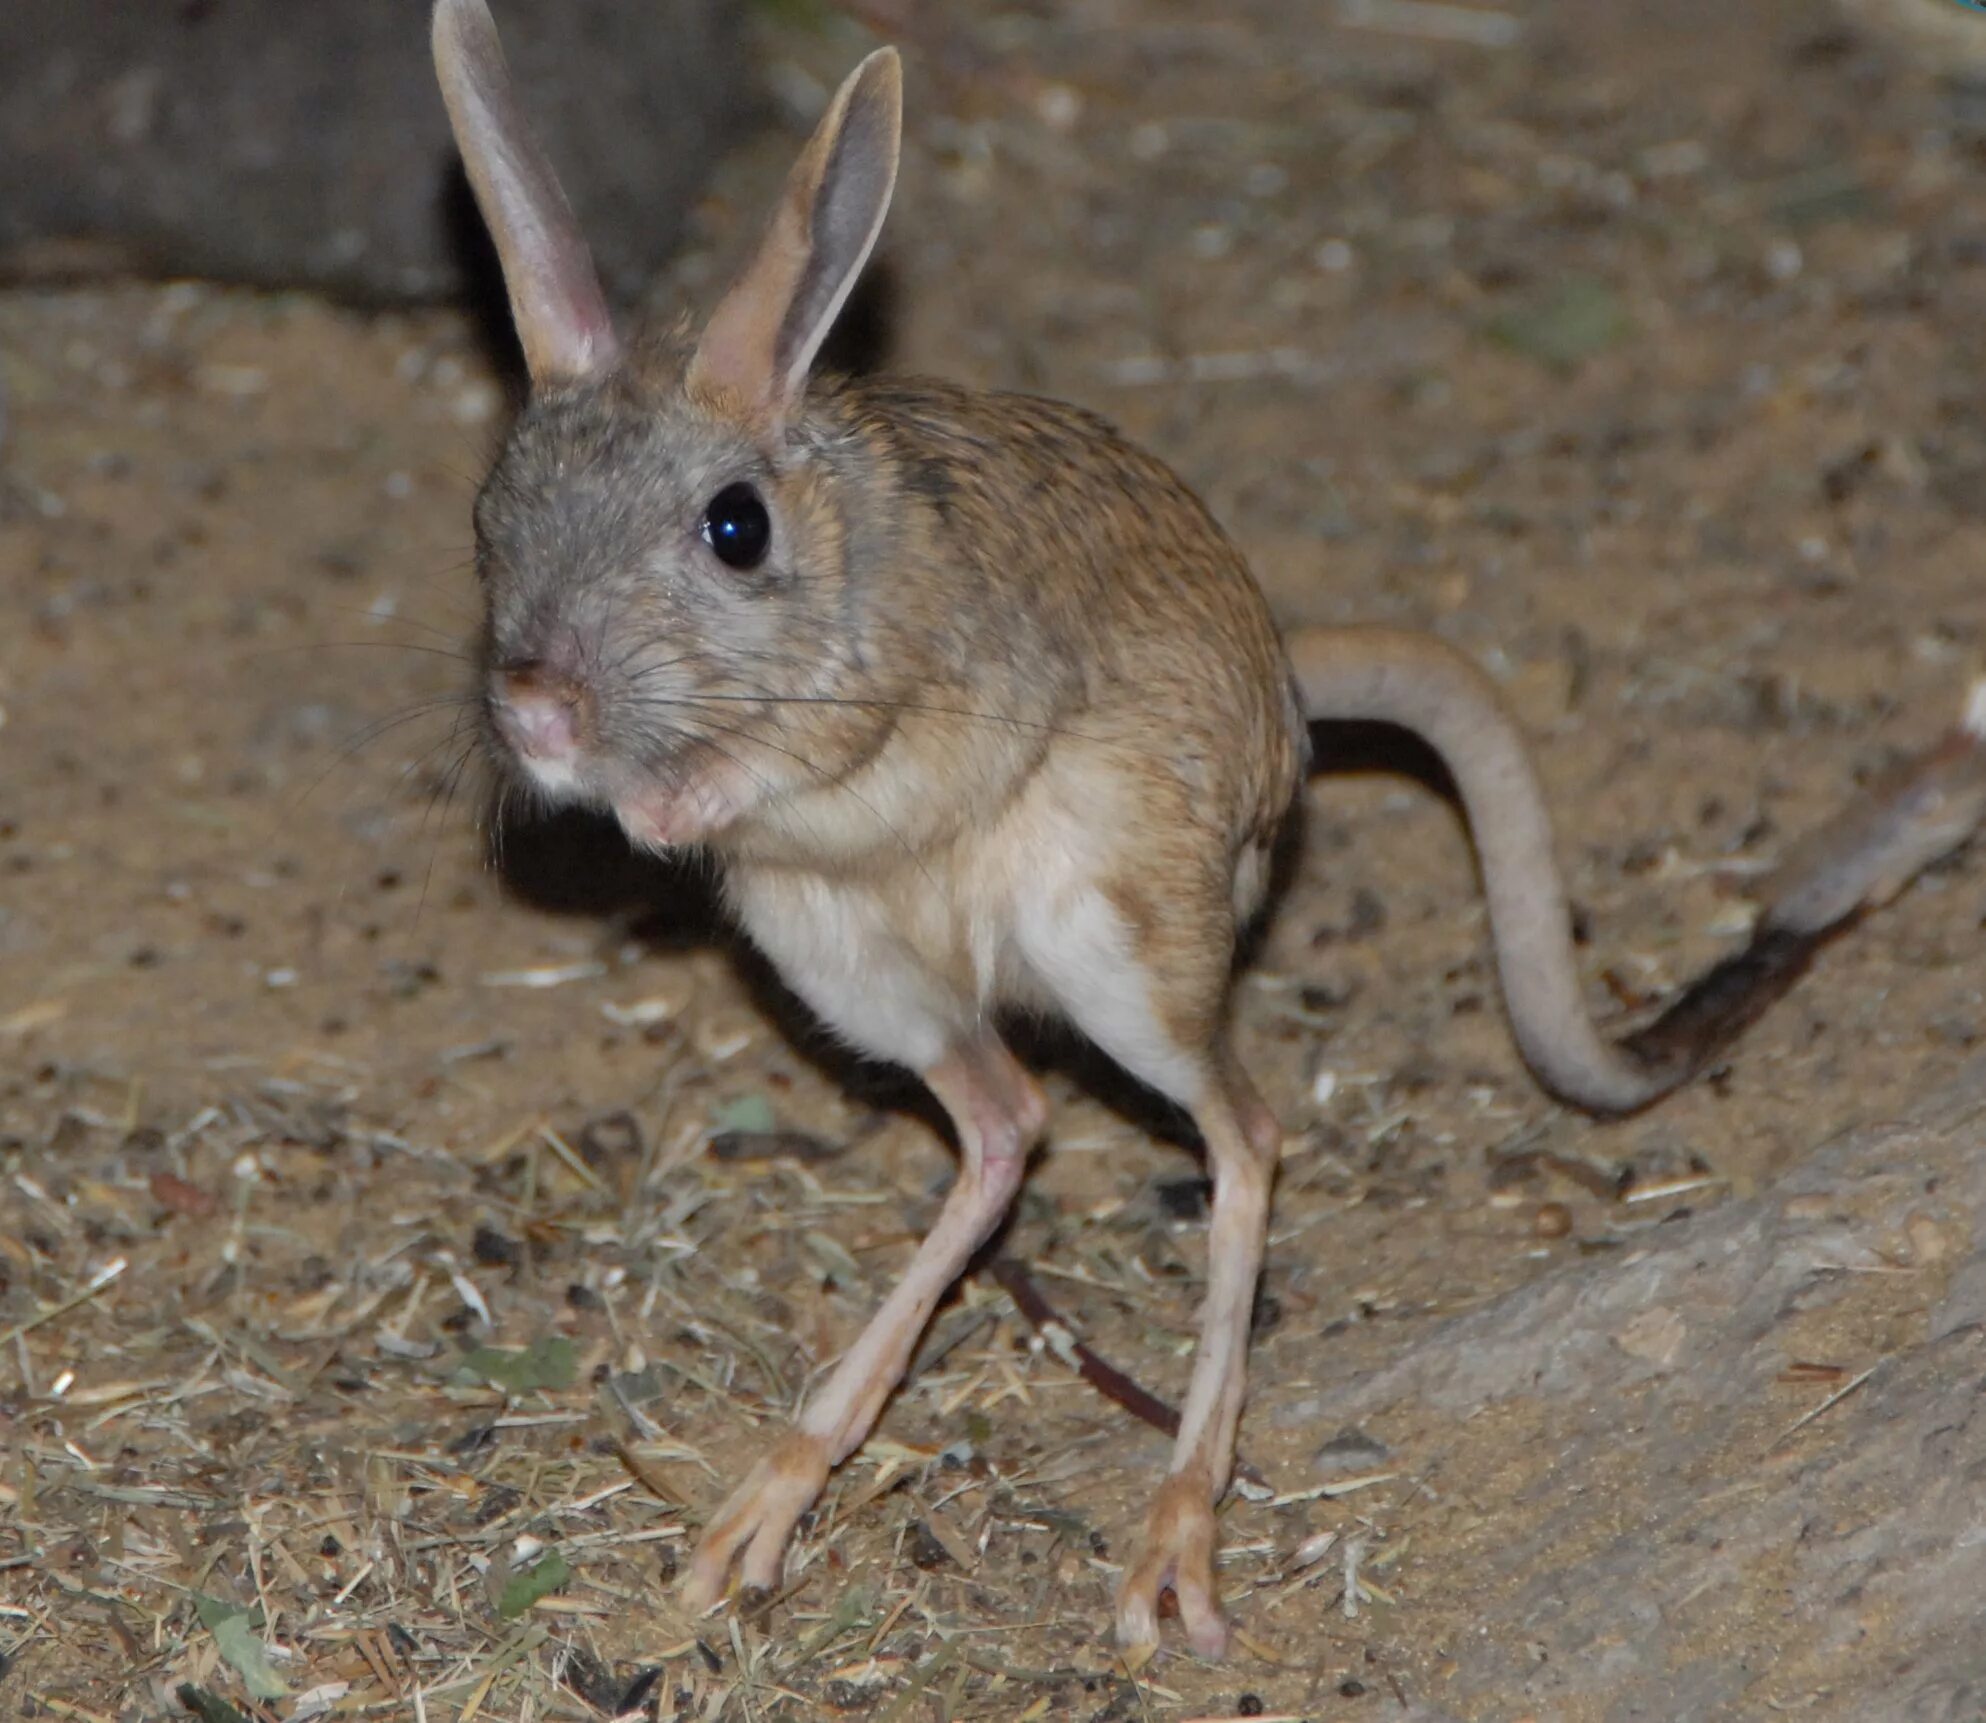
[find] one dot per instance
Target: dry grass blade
(98, 1281)
(1840, 1394)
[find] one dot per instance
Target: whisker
(667, 735)
(498, 812)
(640, 644)
(454, 655)
(461, 563)
(403, 779)
(920, 708)
(912, 707)
(350, 750)
(394, 619)
(445, 793)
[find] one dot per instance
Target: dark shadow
(1353, 749)
(575, 862)
(485, 299)
(1045, 1045)
(864, 335)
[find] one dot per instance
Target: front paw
(1177, 1556)
(758, 1518)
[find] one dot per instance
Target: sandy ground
(1641, 357)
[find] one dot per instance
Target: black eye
(737, 527)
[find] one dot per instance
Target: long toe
(1138, 1604)
(758, 1517)
(710, 1567)
(1177, 1556)
(765, 1555)
(1199, 1608)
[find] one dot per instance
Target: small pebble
(1351, 1451)
(238, 382)
(494, 1250)
(669, 1001)
(1655, 1335)
(1678, 160)
(1059, 106)
(724, 1035)
(1313, 1549)
(1930, 1243)
(476, 404)
(542, 975)
(170, 1191)
(1212, 239)
(612, 1136)
(923, 1548)
(1553, 1220)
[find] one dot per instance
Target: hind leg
(1178, 1549)
(1155, 1008)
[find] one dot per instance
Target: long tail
(1855, 863)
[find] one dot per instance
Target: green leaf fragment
(834, 1257)
(551, 1362)
(1823, 194)
(234, 1631)
(1567, 326)
(541, 1579)
(750, 1114)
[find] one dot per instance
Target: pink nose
(539, 711)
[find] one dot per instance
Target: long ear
(766, 330)
(555, 298)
